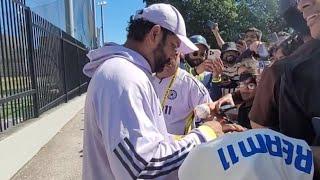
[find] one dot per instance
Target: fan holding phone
(205, 64)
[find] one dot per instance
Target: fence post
(32, 65)
(79, 70)
(63, 65)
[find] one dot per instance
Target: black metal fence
(40, 65)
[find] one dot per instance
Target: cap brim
(186, 45)
(206, 45)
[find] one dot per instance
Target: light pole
(102, 3)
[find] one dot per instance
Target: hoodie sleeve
(134, 134)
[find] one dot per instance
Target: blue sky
(116, 16)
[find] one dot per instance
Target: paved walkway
(61, 158)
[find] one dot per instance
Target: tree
(261, 14)
(233, 16)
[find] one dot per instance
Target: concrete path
(19, 146)
(61, 158)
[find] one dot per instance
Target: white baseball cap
(168, 17)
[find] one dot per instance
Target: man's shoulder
(304, 54)
(119, 71)
(307, 65)
(190, 82)
(188, 78)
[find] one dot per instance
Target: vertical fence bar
(31, 62)
(63, 67)
(21, 74)
(12, 56)
(20, 50)
(6, 65)
(15, 77)
(78, 70)
(27, 83)
(2, 73)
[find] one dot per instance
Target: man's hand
(255, 46)
(215, 30)
(215, 126)
(206, 65)
(227, 99)
(216, 67)
(242, 46)
(232, 128)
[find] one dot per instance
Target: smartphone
(226, 108)
(213, 54)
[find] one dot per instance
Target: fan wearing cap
(243, 97)
(205, 70)
(125, 135)
(229, 56)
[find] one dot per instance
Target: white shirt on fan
(259, 154)
(185, 94)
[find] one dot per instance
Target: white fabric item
(185, 94)
(167, 16)
(125, 135)
(252, 155)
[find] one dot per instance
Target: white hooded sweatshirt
(125, 134)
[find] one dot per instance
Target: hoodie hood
(112, 50)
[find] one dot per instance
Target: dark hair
(255, 30)
(289, 45)
(138, 28)
(248, 73)
(294, 19)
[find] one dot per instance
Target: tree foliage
(233, 16)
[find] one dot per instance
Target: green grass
(14, 107)
(16, 84)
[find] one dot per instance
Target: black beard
(160, 64)
(192, 62)
(160, 59)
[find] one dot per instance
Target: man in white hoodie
(125, 134)
(180, 92)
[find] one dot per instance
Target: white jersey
(185, 94)
(252, 155)
(125, 135)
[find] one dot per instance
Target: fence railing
(40, 65)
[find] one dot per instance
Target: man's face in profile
(311, 13)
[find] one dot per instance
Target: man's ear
(155, 35)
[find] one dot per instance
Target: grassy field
(17, 84)
(13, 108)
